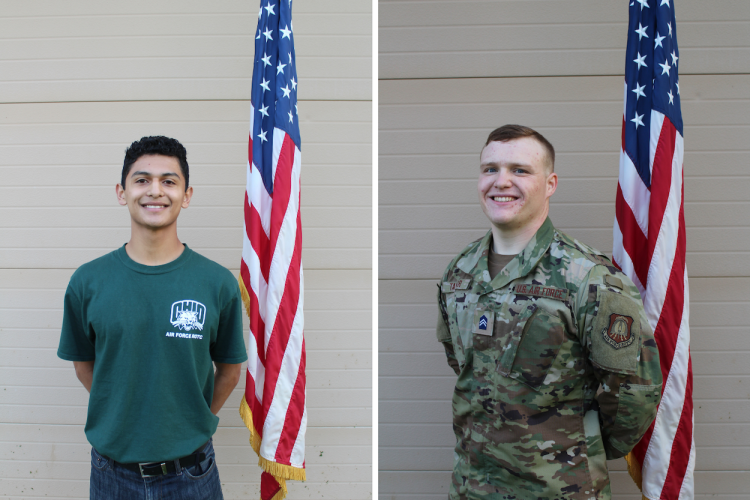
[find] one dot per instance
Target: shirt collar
(519, 266)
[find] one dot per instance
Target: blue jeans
(201, 481)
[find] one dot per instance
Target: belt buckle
(151, 464)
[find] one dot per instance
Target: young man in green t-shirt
(144, 326)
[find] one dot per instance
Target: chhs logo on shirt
(188, 315)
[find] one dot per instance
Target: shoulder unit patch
(619, 334)
(616, 332)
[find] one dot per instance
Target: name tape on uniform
(452, 286)
(548, 292)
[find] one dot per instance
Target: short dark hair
(510, 132)
(156, 145)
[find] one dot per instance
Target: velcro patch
(452, 286)
(613, 281)
(484, 321)
(548, 292)
(616, 333)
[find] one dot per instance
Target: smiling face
(154, 192)
(515, 184)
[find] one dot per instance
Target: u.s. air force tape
(548, 292)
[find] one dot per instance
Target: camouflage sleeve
(444, 334)
(620, 345)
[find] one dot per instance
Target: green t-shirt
(152, 331)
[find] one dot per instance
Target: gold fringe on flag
(634, 469)
(245, 297)
(280, 472)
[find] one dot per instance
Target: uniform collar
(520, 266)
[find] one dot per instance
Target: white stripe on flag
(687, 492)
(666, 243)
(622, 258)
(670, 410)
(278, 141)
(298, 452)
(634, 191)
(257, 283)
(282, 254)
(657, 122)
(255, 367)
(288, 372)
(258, 197)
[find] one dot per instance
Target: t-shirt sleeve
(75, 343)
(230, 344)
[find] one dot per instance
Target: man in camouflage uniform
(557, 366)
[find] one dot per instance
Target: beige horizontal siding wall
(79, 81)
(452, 71)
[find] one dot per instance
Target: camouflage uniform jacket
(558, 370)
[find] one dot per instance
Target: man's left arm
(624, 356)
(228, 351)
(225, 380)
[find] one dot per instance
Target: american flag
(273, 407)
(649, 240)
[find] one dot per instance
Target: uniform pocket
(538, 346)
(636, 410)
(500, 348)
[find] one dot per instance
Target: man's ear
(551, 184)
(120, 192)
(187, 197)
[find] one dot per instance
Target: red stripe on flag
(667, 327)
(269, 487)
(257, 326)
(282, 188)
(257, 237)
(683, 442)
(661, 182)
(253, 404)
(633, 240)
(294, 413)
(290, 297)
(296, 406)
(282, 328)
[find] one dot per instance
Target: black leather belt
(151, 469)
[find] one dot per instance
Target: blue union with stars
(274, 88)
(651, 77)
